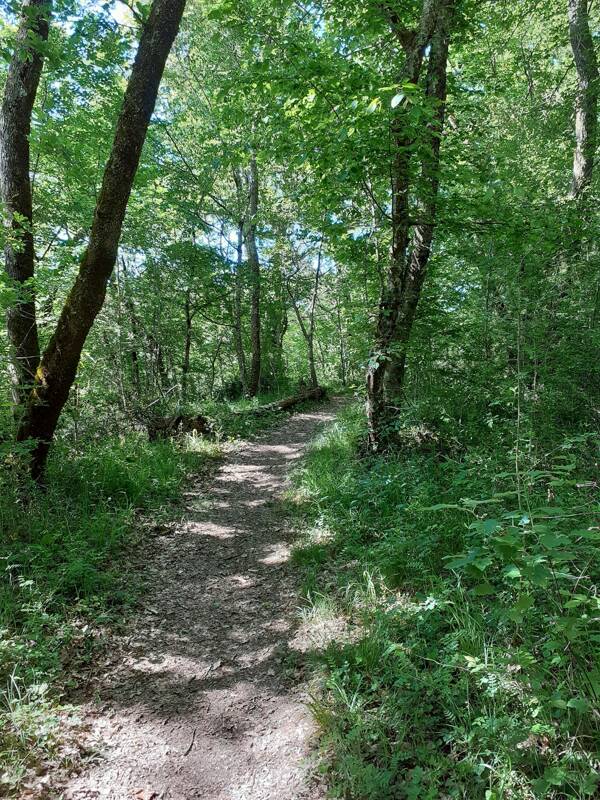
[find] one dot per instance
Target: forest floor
(204, 698)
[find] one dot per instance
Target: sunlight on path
(202, 706)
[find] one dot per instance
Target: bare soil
(204, 701)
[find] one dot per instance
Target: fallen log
(165, 427)
(286, 403)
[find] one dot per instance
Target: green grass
(234, 420)
(472, 594)
(62, 554)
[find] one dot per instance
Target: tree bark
(586, 104)
(316, 393)
(341, 345)
(422, 237)
(415, 45)
(185, 366)
(59, 363)
(237, 310)
(314, 381)
(254, 263)
(213, 367)
(278, 322)
(308, 331)
(20, 90)
(133, 353)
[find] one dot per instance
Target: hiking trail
(201, 703)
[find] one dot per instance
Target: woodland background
(461, 537)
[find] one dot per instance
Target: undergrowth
(235, 419)
(64, 578)
(468, 580)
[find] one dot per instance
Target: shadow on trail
(204, 703)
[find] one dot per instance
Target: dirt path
(202, 705)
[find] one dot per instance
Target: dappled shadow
(203, 702)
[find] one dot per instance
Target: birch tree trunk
(20, 91)
(59, 363)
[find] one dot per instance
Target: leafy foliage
(472, 593)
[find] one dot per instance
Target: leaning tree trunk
(20, 90)
(586, 105)
(133, 352)
(278, 325)
(309, 336)
(312, 369)
(422, 238)
(254, 263)
(415, 45)
(58, 366)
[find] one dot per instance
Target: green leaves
(552, 541)
(483, 589)
(579, 704)
(520, 608)
(486, 526)
(512, 572)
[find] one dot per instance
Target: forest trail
(200, 705)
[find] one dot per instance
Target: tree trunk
(237, 310)
(318, 393)
(20, 90)
(423, 233)
(341, 346)
(277, 326)
(340, 298)
(213, 368)
(59, 363)
(308, 332)
(133, 353)
(314, 381)
(415, 45)
(185, 367)
(252, 251)
(586, 105)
